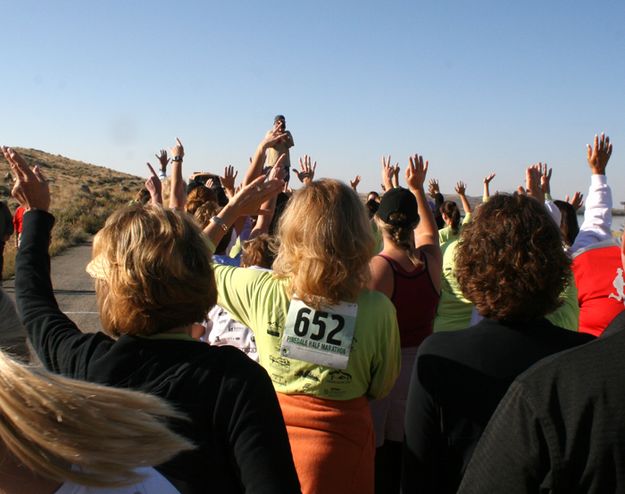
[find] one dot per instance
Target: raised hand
(533, 186)
(396, 175)
(460, 188)
(306, 173)
(577, 201)
(387, 173)
(227, 180)
(487, 181)
(433, 188)
(545, 178)
(177, 194)
(163, 160)
(599, 154)
(154, 186)
(273, 137)
(416, 172)
(249, 198)
(177, 151)
(354, 183)
(31, 188)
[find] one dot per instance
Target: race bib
(321, 336)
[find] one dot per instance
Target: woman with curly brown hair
(510, 264)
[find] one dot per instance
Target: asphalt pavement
(73, 287)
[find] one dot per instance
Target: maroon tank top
(415, 300)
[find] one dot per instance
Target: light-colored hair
(50, 423)
(157, 274)
(400, 235)
(325, 244)
(259, 251)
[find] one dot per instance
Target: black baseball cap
(399, 200)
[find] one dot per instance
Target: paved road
(73, 287)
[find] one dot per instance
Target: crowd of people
(264, 340)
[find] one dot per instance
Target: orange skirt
(332, 443)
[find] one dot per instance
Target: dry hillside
(83, 195)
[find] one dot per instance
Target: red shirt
(600, 284)
(17, 220)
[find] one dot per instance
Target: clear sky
(474, 86)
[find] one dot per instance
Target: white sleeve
(598, 215)
(553, 210)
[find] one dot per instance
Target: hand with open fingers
(354, 183)
(489, 178)
(387, 172)
(154, 186)
(163, 159)
(210, 183)
(227, 180)
(416, 172)
(273, 137)
(177, 151)
(577, 201)
(533, 186)
(460, 188)
(433, 188)
(306, 173)
(248, 199)
(545, 178)
(31, 188)
(599, 154)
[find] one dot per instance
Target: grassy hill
(83, 196)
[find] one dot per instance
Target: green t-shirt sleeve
(238, 291)
(466, 219)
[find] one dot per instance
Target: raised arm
(354, 183)
(245, 202)
(387, 173)
(228, 179)
(460, 189)
(154, 186)
(598, 214)
(178, 196)
(258, 160)
(545, 185)
(487, 181)
(426, 233)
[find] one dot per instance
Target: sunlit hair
(325, 244)
(199, 196)
(205, 212)
(159, 274)
(400, 235)
(259, 251)
(450, 209)
(50, 423)
(569, 227)
(510, 262)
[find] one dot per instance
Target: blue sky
(473, 86)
